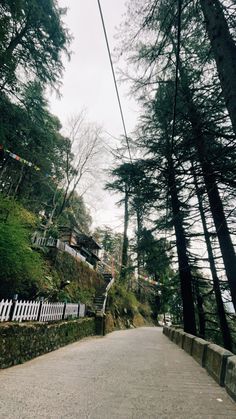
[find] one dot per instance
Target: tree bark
(216, 205)
(124, 260)
(184, 267)
(224, 327)
(139, 229)
(224, 50)
(19, 181)
(200, 310)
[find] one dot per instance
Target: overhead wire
(176, 77)
(115, 82)
(114, 79)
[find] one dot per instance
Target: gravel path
(134, 373)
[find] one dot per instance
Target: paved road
(128, 374)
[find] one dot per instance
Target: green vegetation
(70, 280)
(20, 343)
(179, 188)
(123, 301)
(31, 272)
(40, 170)
(125, 307)
(21, 268)
(32, 41)
(111, 243)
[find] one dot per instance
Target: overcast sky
(88, 83)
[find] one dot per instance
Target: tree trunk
(184, 268)
(19, 181)
(225, 331)
(224, 50)
(124, 260)
(14, 42)
(216, 206)
(218, 215)
(200, 310)
(139, 230)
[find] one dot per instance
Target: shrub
(21, 269)
(145, 310)
(65, 269)
(122, 301)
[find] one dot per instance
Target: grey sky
(88, 83)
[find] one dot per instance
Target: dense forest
(175, 175)
(44, 169)
(179, 181)
(40, 167)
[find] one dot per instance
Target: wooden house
(82, 243)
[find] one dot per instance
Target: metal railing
(106, 294)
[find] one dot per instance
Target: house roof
(82, 239)
(85, 240)
(69, 229)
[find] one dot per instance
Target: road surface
(134, 373)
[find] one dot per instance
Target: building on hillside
(82, 243)
(68, 235)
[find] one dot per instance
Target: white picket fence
(51, 311)
(72, 310)
(5, 308)
(42, 311)
(25, 310)
(81, 310)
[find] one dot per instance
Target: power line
(114, 79)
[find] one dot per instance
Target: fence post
(64, 310)
(14, 300)
(78, 308)
(40, 308)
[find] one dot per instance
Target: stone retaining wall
(230, 376)
(215, 362)
(20, 342)
(199, 350)
(220, 363)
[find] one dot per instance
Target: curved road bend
(134, 373)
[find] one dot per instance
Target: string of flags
(18, 158)
(24, 161)
(150, 281)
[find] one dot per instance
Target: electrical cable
(114, 78)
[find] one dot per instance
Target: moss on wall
(125, 321)
(20, 342)
(109, 323)
(139, 320)
(124, 310)
(64, 268)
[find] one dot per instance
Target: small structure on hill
(82, 243)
